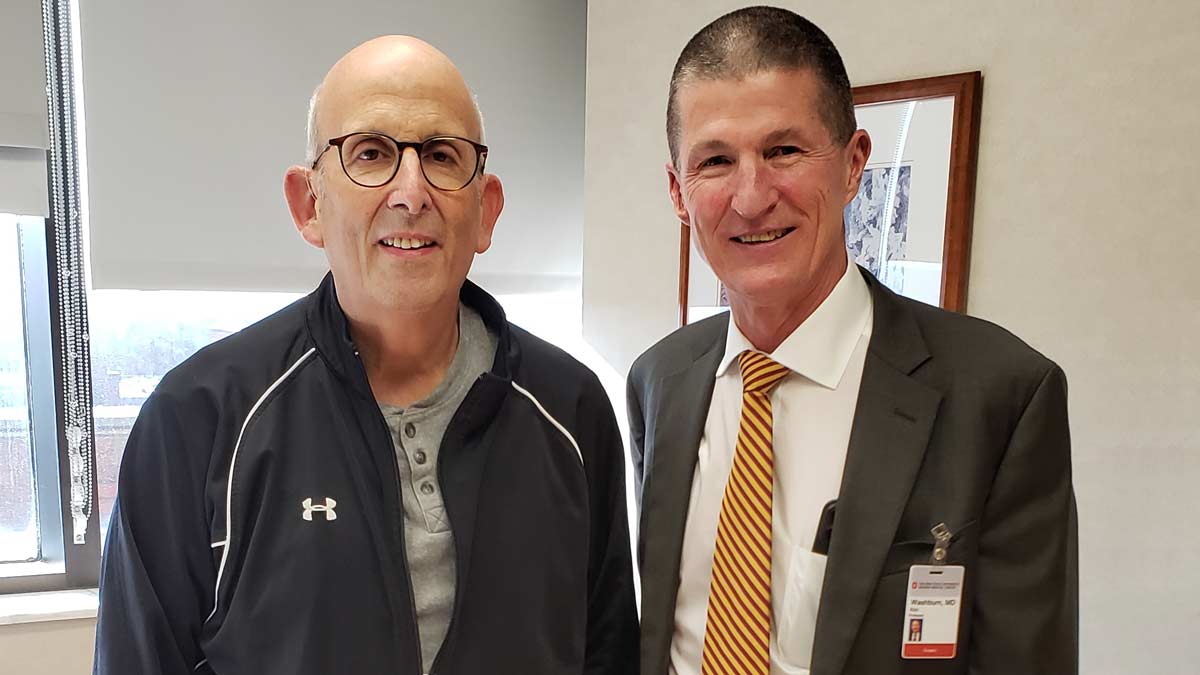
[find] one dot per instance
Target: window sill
(50, 606)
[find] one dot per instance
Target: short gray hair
(310, 154)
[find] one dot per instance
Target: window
(19, 541)
(46, 483)
(136, 337)
(32, 548)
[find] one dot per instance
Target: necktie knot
(759, 372)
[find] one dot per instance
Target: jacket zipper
(412, 602)
(437, 659)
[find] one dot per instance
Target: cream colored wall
(1085, 244)
(49, 648)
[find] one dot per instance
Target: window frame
(67, 565)
(54, 295)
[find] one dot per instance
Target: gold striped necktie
(737, 635)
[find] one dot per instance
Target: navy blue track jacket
(258, 528)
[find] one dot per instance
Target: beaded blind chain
(71, 288)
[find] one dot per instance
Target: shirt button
(419, 456)
(410, 430)
(427, 488)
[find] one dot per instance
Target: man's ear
(859, 150)
(302, 203)
(675, 188)
(493, 204)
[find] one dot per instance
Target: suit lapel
(682, 402)
(892, 424)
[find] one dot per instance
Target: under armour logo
(327, 507)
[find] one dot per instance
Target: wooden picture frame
(963, 90)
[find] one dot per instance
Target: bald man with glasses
(386, 476)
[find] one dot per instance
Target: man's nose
(409, 190)
(754, 192)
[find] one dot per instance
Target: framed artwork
(910, 224)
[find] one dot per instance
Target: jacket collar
(330, 332)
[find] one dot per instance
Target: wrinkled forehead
(750, 108)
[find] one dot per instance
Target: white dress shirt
(813, 409)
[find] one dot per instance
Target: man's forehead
(395, 82)
(791, 88)
(398, 59)
(761, 104)
(404, 117)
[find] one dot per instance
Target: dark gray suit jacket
(958, 422)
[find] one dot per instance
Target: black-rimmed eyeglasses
(371, 160)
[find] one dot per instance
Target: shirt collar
(821, 346)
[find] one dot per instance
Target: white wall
(1085, 244)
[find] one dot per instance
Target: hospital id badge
(931, 612)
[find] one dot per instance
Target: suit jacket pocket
(905, 554)
(883, 624)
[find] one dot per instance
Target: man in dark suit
(931, 438)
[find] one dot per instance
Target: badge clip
(941, 544)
